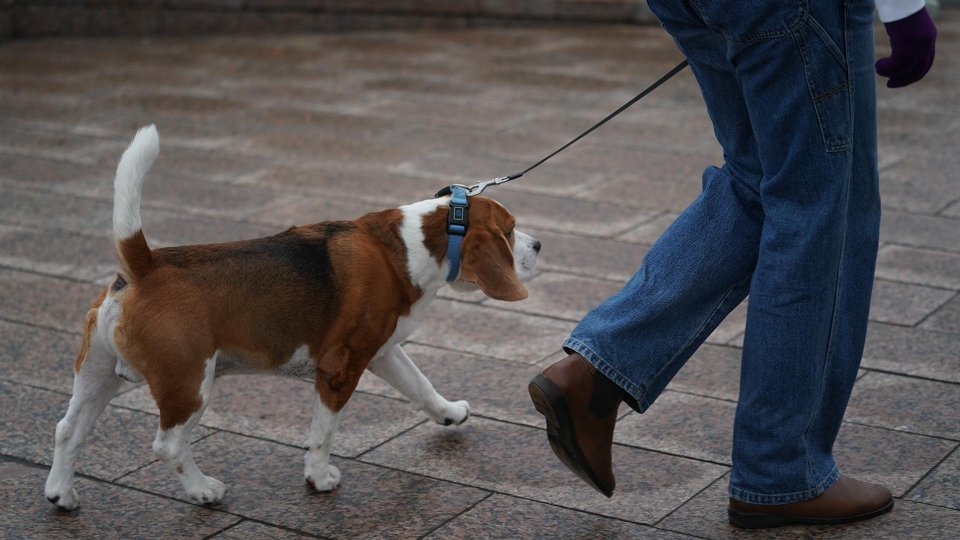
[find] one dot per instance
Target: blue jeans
(792, 218)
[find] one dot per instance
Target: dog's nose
(536, 246)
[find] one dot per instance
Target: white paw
(210, 490)
(451, 413)
(326, 481)
(68, 500)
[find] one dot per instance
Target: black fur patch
(118, 284)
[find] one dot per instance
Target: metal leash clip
(475, 189)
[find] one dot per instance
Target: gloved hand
(912, 41)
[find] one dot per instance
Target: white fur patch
(134, 164)
(422, 267)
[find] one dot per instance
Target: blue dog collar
(458, 217)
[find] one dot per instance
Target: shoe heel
(754, 521)
(540, 388)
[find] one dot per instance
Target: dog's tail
(133, 252)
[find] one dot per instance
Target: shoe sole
(747, 520)
(551, 403)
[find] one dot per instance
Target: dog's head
(496, 258)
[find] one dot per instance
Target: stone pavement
(260, 133)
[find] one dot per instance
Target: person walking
(792, 218)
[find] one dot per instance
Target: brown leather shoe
(846, 501)
(580, 405)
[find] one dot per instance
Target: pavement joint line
(912, 376)
(923, 247)
(59, 277)
(694, 496)
(23, 461)
(227, 528)
(385, 441)
(448, 520)
(935, 311)
(929, 472)
(921, 284)
(479, 355)
(40, 326)
(250, 220)
(503, 493)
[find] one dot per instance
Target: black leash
(480, 186)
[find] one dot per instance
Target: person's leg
(811, 96)
(694, 275)
(700, 268)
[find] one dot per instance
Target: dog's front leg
(399, 371)
(317, 470)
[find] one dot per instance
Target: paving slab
(446, 167)
(265, 482)
(649, 232)
(517, 461)
(38, 357)
(920, 231)
(904, 304)
(911, 351)
(919, 266)
(119, 443)
(107, 511)
(591, 257)
(251, 530)
(946, 319)
(940, 487)
(560, 295)
(706, 517)
(906, 404)
(712, 371)
(916, 184)
(491, 332)
(63, 254)
(702, 428)
(45, 301)
(502, 516)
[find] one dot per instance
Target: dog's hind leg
(181, 408)
(94, 385)
(399, 371)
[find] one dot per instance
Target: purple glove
(912, 41)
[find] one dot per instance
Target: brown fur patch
(134, 255)
(89, 327)
(434, 227)
(337, 287)
(486, 251)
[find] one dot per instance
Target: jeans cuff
(785, 498)
(634, 392)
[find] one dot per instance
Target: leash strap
(625, 106)
(478, 188)
(458, 217)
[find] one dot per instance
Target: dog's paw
(451, 413)
(67, 500)
(327, 480)
(208, 491)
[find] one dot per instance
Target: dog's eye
(509, 234)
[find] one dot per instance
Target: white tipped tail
(132, 249)
(134, 164)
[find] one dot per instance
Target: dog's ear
(488, 262)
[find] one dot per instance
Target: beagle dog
(323, 301)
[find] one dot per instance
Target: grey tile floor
(260, 133)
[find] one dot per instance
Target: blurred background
(280, 112)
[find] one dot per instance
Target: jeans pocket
(741, 21)
(829, 83)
